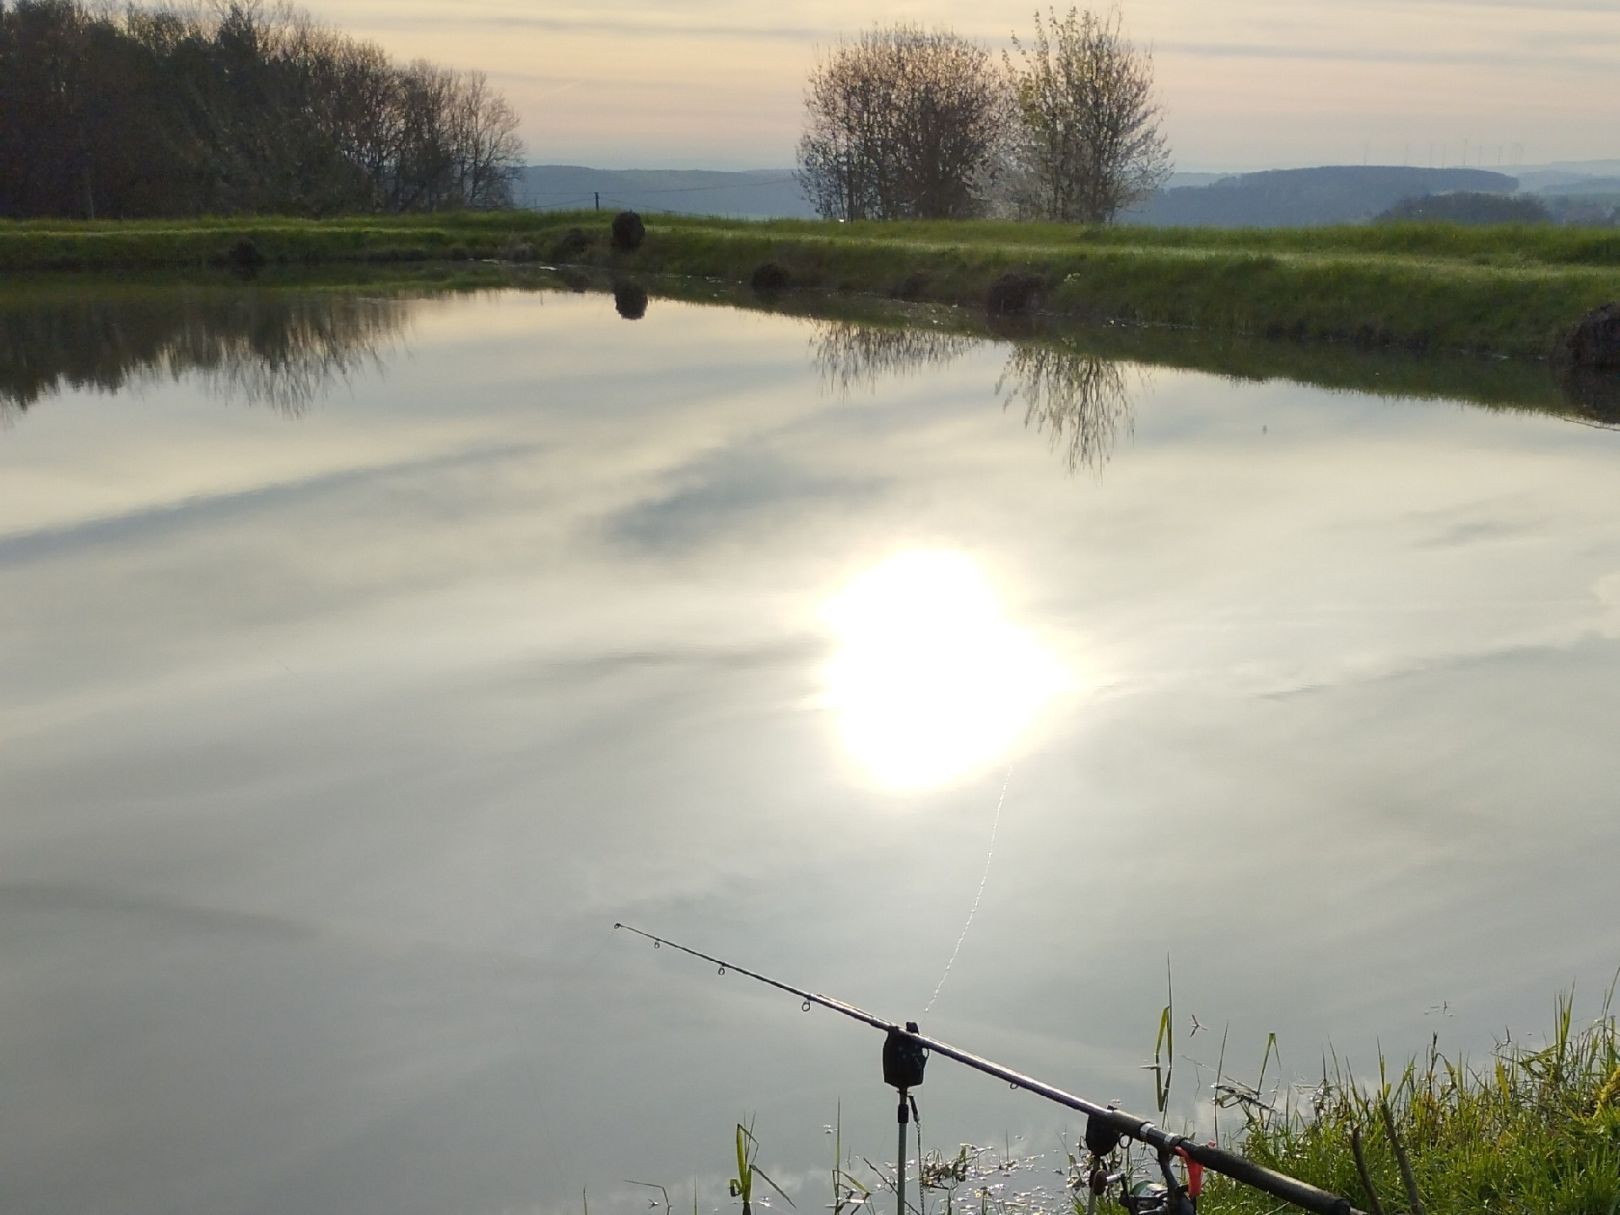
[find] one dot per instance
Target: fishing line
(984, 877)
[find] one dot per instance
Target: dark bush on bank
(570, 245)
(768, 277)
(244, 254)
(516, 249)
(628, 231)
(911, 287)
(1595, 341)
(1014, 294)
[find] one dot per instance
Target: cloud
(201, 509)
(637, 25)
(714, 493)
(1607, 591)
(1552, 58)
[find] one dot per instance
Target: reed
(1530, 1131)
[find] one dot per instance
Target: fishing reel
(1169, 1197)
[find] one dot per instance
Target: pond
(368, 656)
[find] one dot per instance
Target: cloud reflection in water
(510, 640)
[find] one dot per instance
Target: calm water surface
(365, 660)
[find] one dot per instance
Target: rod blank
(1278, 1185)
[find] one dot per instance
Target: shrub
(570, 245)
(244, 254)
(769, 277)
(628, 231)
(1014, 293)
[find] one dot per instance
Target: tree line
(235, 108)
(901, 121)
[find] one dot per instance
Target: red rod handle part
(1195, 1173)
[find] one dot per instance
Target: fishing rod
(905, 1051)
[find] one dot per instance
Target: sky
(1244, 84)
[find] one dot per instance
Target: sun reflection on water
(931, 681)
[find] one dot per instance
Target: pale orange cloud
(1244, 83)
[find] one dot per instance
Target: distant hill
(1284, 198)
(1583, 186)
(1558, 177)
(1333, 194)
(754, 194)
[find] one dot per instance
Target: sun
(930, 680)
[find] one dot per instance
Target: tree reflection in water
(1594, 394)
(1082, 401)
(849, 355)
(284, 350)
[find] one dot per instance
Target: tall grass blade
(1407, 1179)
(1374, 1207)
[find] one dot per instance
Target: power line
(751, 185)
(577, 201)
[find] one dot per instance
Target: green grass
(1512, 291)
(1499, 291)
(1504, 245)
(1532, 1131)
(151, 244)
(1535, 1130)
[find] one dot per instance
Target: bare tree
(900, 121)
(1088, 141)
(483, 132)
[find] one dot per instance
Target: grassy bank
(1500, 291)
(1503, 291)
(1528, 1132)
(36, 245)
(1533, 1130)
